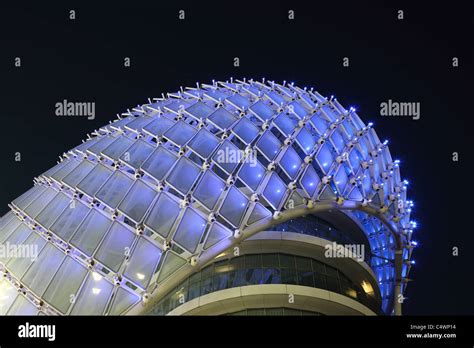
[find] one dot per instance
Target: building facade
(230, 198)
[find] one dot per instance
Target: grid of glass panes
(195, 146)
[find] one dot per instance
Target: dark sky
(403, 60)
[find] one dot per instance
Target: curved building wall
(133, 210)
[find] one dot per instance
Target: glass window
(306, 140)
(49, 214)
(34, 208)
(209, 189)
(274, 191)
(8, 294)
(291, 162)
(137, 201)
(158, 126)
(94, 180)
(234, 206)
(143, 262)
(79, 173)
(62, 291)
(262, 111)
(101, 145)
(114, 189)
(216, 233)
(159, 163)
(245, 130)
(199, 110)
(252, 174)
(190, 230)
(117, 148)
(310, 181)
(43, 269)
(269, 145)
(21, 233)
(22, 306)
(115, 246)
(318, 123)
(287, 261)
(324, 158)
(288, 276)
(137, 154)
(90, 232)
(163, 215)
(222, 118)
(123, 300)
(184, 175)
(93, 297)
(238, 101)
(340, 179)
(228, 156)
(204, 143)
(285, 123)
(68, 167)
(30, 249)
(70, 220)
(180, 133)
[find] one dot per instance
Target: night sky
(407, 60)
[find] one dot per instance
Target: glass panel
(143, 262)
(184, 175)
(298, 109)
(338, 141)
(123, 299)
(291, 162)
(43, 269)
(274, 191)
(204, 143)
(138, 123)
(62, 291)
(137, 154)
(22, 306)
(113, 191)
(245, 130)
(101, 145)
(228, 156)
(190, 230)
(8, 294)
(116, 245)
(262, 111)
(17, 237)
(65, 170)
(320, 124)
(79, 173)
(117, 148)
(137, 201)
(269, 145)
(324, 158)
(9, 228)
(94, 296)
(159, 163)
(239, 101)
(199, 110)
(306, 140)
(180, 133)
(158, 126)
(285, 123)
(171, 264)
(52, 211)
(252, 174)
(222, 118)
(340, 179)
(33, 209)
(29, 196)
(69, 220)
(233, 207)
(216, 233)
(310, 181)
(90, 232)
(209, 189)
(28, 251)
(163, 215)
(94, 180)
